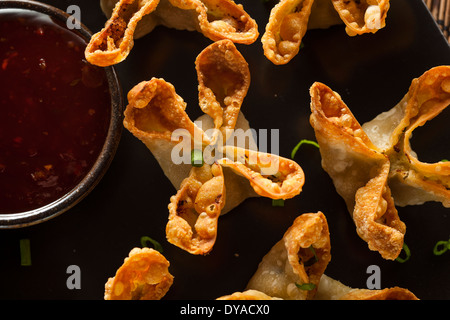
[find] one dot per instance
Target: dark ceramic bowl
(91, 179)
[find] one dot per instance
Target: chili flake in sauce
(54, 110)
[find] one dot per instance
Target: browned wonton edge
(370, 171)
(155, 112)
(131, 19)
(290, 19)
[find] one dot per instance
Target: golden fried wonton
(230, 173)
(132, 19)
(144, 275)
(294, 269)
(298, 260)
(373, 165)
(290, 19)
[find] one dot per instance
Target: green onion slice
(197, 158)
(145, 240)
(306, 286)
(407, 253)
(25, 252)
(441, 247)
(313, 259)
(294, 151)
(277, 203)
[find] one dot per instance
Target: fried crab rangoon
(155, 112)
(290, 19)
(300, 258)
(294, 269)
(132, 19)
(144, 275)
(373, 166)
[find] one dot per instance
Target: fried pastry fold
(195, 209)
(270, 175)
(114, 42)
(366, 16)
(299, 258)
(331, 289)
(156, 115)
(132, 19)
(290, 19)
(413, 181)
(294, 267)
(373, 167)
(144, 275)
(223, 83)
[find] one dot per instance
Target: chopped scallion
(441, 247)
(156, 245)
(25, 252)
(313, 259)
(407, 253)
(197, 158)
(277, 203)
(294, 151)
(306, 286)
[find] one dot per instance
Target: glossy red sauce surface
(54, 110)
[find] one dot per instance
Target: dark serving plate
(371, 72)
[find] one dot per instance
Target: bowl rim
(106, 155)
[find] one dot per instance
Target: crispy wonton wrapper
(132, 19)
(331, 289)
(270, 176)
(195, 209)
(156, 115)
(144, 275)
(300, 258)
(365, 164)
(294, 269)
(290, 19)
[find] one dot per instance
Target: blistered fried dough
(113, 43)
(287, 25)
(215, 19)
(195, 209)
(362, 16)
(359, 171)
(144, 275)
(290, 19)
(224, 79)
(294, 269)
(155, 111)
(247, 295)
(155, 114)
(413, 181)
(331, 289)
(300, 258)
(269, 175)
(376, 218)
(367, 175)
(224, 19)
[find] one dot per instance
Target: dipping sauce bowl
(60, 117)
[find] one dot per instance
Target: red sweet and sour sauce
(54, 110)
